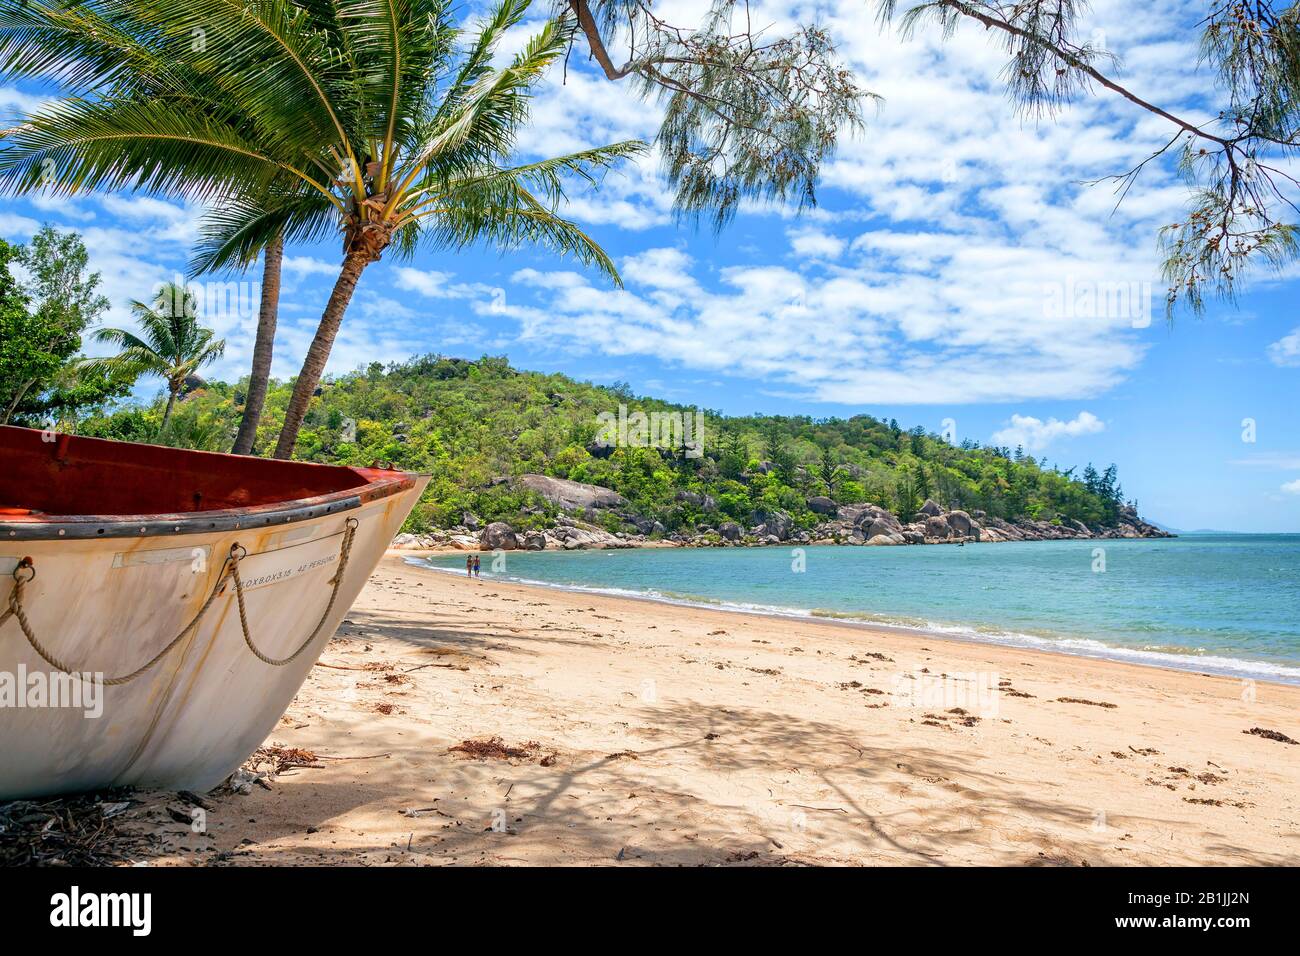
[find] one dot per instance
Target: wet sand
(456, 722)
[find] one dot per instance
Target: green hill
(472, 423)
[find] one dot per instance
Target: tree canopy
(47, 310)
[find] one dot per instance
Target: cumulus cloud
(1292, 487)
(1286, 350)
(17, 228)
(815, 244)
(14, 102)
(309, 266)
(844, 332)
(1034, 434)
(968, 263)
(428, 283)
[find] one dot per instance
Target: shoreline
(1239, 669)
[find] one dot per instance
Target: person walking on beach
(469, 565)
(476, 565)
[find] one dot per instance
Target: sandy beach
(456, 722)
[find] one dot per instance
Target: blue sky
(926, 285)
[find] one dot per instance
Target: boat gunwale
(376, 482)
(81, 527)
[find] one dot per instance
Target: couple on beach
(471, 565)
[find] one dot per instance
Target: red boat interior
(44, 474)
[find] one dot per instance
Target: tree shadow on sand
(707, 794)
(699, 785)
(452, 633)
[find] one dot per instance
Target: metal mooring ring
(30, 565)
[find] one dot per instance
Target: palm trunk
(171, 403)
(267, 314)
(313, 366)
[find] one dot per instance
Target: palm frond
(504, 214)
(546, 176)
(234, 234)
(77, 145)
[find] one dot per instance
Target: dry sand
(652, 734)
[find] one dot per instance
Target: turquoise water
(1226, 604)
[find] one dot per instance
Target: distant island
(531, 460)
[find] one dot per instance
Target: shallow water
(1226, 604)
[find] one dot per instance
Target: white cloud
(1285, 461)
(142, 208)
(66, 207)
(877, 328)
(429, 283)
(1286, 350)
(17, 228)
(815, 244)
(1034, 434)
(14, 102)
(972, 220)
(309, 266)
(1292, 487)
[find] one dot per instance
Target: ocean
(1224, 604)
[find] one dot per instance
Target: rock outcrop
(936, 526)
(868, 524)
(697, 500)
(959, 523)
(571, 495)
(498, 536)
(575, 535)
(822, 505)
(776, 525)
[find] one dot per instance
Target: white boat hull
(107, 605)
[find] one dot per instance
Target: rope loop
(238, 553)
(345, 551)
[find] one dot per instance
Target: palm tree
(171, 344)
(360, 117)
(105, 44)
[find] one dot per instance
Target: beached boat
(196, 589)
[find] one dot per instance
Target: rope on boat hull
(229, 572)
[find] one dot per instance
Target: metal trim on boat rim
(153, 526)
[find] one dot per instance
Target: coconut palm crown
(377, 120)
